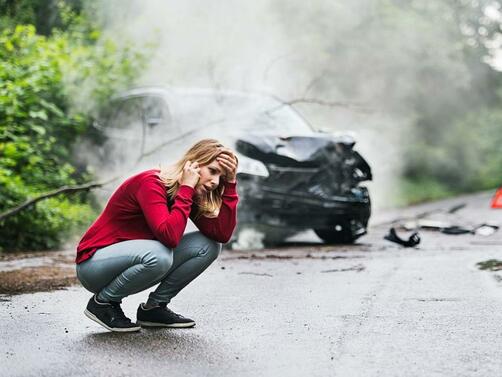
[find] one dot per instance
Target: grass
(422, 190)
(490, 265)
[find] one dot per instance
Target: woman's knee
(210, 249)
(198, 245)
(158, 259)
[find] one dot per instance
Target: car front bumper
(273, 207)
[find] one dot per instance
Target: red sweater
(138, 209)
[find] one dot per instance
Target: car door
(122, 125)
(139, 129)
(158, 129)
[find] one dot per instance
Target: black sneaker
(162, 316)
(109, 315)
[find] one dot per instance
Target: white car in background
(291, 178)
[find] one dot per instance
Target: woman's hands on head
(228, 161)
(190, 175)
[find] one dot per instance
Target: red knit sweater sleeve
(220, 228)
(166, 225)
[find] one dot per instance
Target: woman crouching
(138, 240)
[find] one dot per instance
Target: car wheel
(345, 232)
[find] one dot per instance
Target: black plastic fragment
(392, 236)
(455, 229)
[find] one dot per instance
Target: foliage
(420, 190)
(457, 134)
(425, 66)
(45, 15)
(466, 159)
(39, 124)
(490, 265)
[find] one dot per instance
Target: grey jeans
(129, 267)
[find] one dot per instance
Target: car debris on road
(412, 241)
(484, 229)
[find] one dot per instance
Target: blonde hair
(204, 152)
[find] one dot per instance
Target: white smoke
(335, 51)
(249, 239)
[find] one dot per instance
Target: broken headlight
(252, 167)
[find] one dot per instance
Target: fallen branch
(316, 101)
(326, 103)
(60, 190)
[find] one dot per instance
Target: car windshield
(239, 113)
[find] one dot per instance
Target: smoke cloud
(364, 57)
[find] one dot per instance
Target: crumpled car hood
(299, 149)
(319, 163)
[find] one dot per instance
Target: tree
(40, 78)
(425, 66)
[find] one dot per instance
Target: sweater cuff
(186, 191)
(230, 188)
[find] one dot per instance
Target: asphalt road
(371, 309)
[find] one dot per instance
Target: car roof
(179, 92)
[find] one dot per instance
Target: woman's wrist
(186, 190)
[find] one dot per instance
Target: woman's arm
(167, 225)
(220, 228)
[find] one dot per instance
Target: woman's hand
(190, 175)
(228, 161)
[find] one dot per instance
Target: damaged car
(291, 178)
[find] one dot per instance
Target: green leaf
(39, 130)
(40, 114)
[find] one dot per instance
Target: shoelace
(170, 311)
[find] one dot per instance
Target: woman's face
(210, 176)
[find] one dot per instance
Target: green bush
(38, 126)
(413, 191)
(466, 158)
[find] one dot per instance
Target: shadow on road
(152, 343)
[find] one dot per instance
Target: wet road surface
(371, 309)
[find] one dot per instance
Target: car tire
(341, 233)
